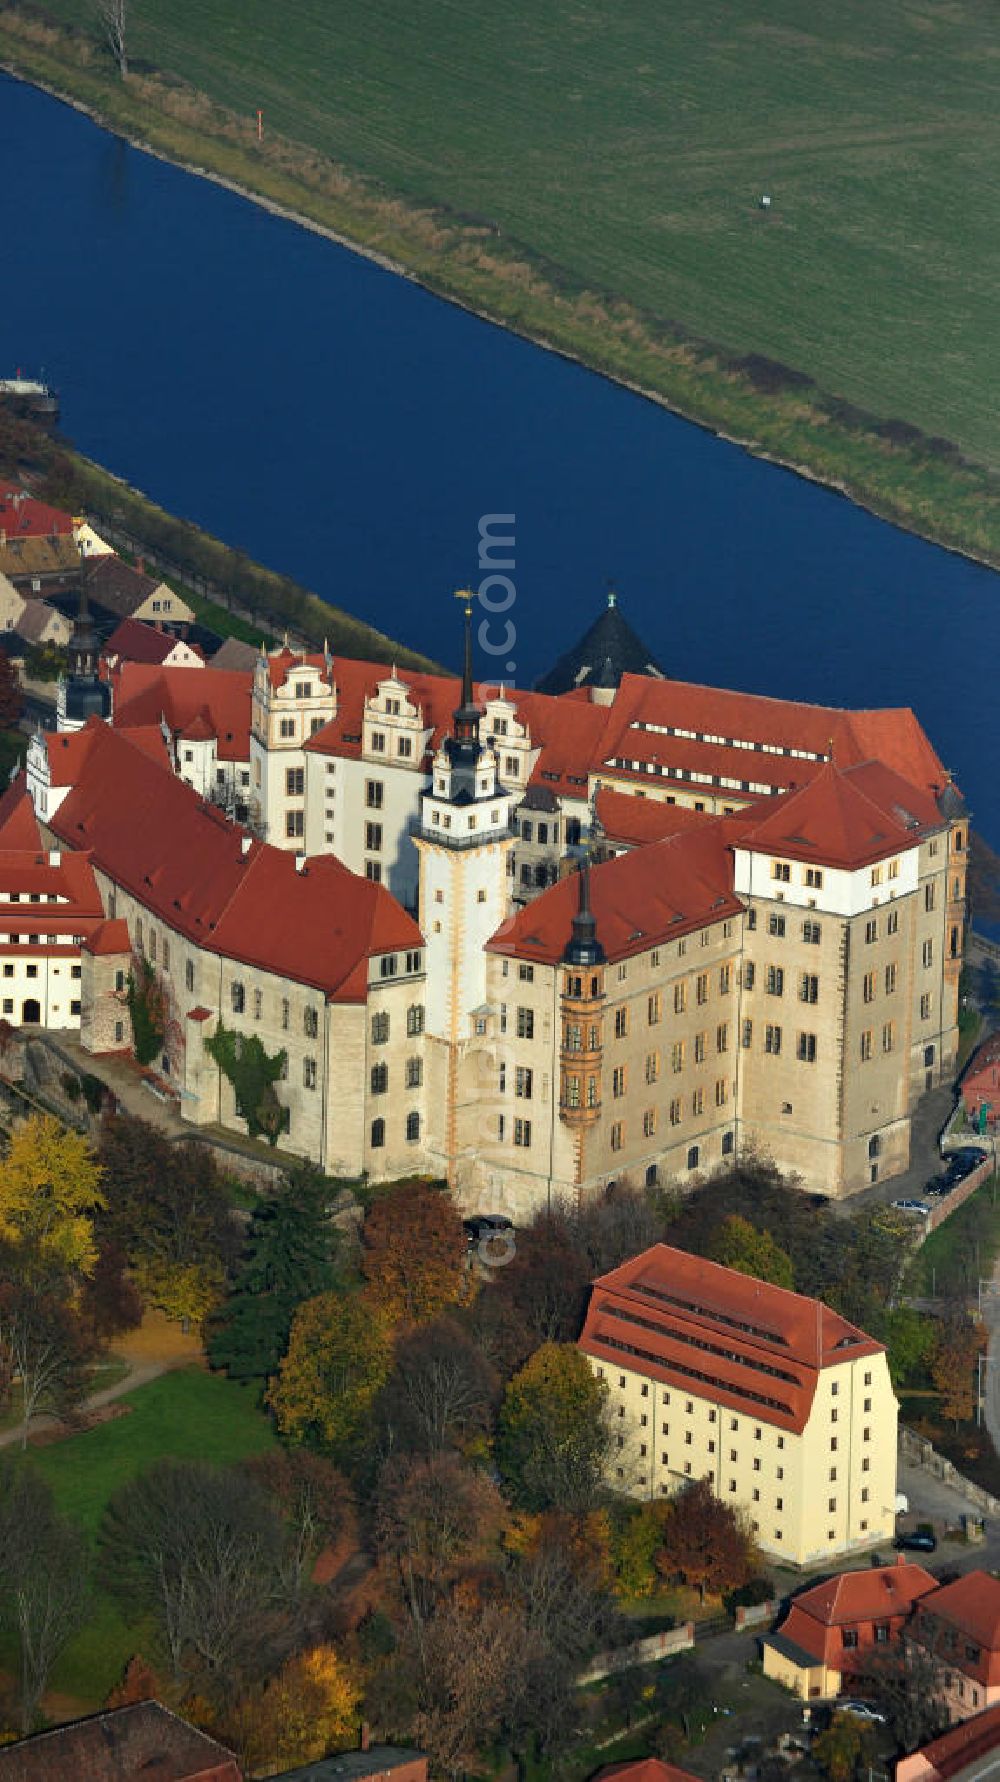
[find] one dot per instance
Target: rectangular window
(725, 979)
(374, 794)
(892, 922)
(722, 1037)
(866, 1045)
(618, 1081)
(675, 1111)
(525, 973)
(294, 824)
(889, 1037)
(925, 1006)
(680, 997)
(189, 974)
(525, 1023)
(781, 871)
(775, 981)
(309, 1073)
(700, 1043)
(871, 932)
(746, 1035)
(927, 952)
(653, 1008)
(701, 988)
(523, 1079)
(812, 933)
(808, 987)
(814, 878)
(772, 1040)
(890, 979)
(929, 895)
(806, 1048)
(373, 837)
(868, 987)
(649, 1122)
(621, 1023)
(617, 1135)
(776, 926)
(295, 782)
(677, 1056)
(522, 1133)
(721, 1092)
(698, 1102)
(749, 974)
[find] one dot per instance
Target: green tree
(739, 1245)
(291, 1255)
(635, 1543)
(339, 1354)
(50, 1189)
(909, 1337)
(555, 1437)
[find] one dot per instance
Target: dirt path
(156, 1347)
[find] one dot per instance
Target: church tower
(82, 695)
(464, 837)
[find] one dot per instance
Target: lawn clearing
(187, 1415)
(961, 1251)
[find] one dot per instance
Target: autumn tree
(498, 1331)
(110, 1302)
(610, 1230)
(435, 1518)
(43, 1581)
(548, 1281)
(706, 1544)
(559, 1589)
(636, 1540)
(906, 1680)
(139, 1683)
(169, 1210)
(846, 1748)
(307, 1711)
(453, 1685)
(413, 1253)
(554, 1436)
(441, 1393)
(50, 1189)
(739, 1245)
(957, 1343)
(202, 1550)
(291, 1254)
(338, 1358)
(316, 1504)
(44, 1347)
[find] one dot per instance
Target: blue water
(347, 429)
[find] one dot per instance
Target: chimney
(140, 564)
(246, 843)
(55, 857)
(366, 1736)
(300, 863)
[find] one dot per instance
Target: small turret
(583, 946)
(82, 694)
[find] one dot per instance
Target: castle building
(762, 951)
(785, 1407)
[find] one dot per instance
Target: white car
(862, 1710)
(919, 1207)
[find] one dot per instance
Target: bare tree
(43, 1345)
(43, 1581)
(113, 17)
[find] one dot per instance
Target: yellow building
(782, 1404)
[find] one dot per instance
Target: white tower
(464, 837)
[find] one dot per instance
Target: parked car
(485, 1225)
(970, 1155)
(863, 1710)
(915, 1543)
(940, 1185)
(919, 1207)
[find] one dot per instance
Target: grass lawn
(961, 1250)
(188, 1415)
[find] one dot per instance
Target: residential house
(143, 1739)
(643, 1769)
(960, 1627)
(49, 907)
(373, 1763)
(981, 1084)
(782, 1404)
(39, 623)
(832, 1629)
(115, 588)
(135, 641)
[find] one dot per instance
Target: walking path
(156, 1347)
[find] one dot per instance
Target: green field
(187, 1415)
(625, 148)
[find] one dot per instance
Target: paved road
(929, 1119)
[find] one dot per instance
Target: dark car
(485, 1225)
(915, 1543)
(939, 1185)
(963, 1161)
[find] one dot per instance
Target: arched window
(728, 1143)
(875, 1146)
(651, 1176)
(378, 1134)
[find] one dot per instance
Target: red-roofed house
(134, 641)
(832, 1629)
(960, 1626)
(324, 969)
(49, 906)
(969, 1752)
(119, 1745)
(205, 714)
(644, 1769)
(782, 1404)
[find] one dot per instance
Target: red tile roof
(21, 516)
(219, 698)
(690, 1321)
(144, 1739)
(18, 823)
(836, 821)
(639, 900)
(951, 1754)
(634, 821)
(185, 863)
(109, 939)
(134, 641)
(644, 1769)
(971, 1605)
(882, 1593)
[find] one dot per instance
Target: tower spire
(464, 741)
(583, 947)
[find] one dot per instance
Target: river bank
(923, 485)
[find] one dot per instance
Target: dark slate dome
(87, 697)
(951, 804)
(609, 649)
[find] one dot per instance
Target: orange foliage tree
(413, 1253)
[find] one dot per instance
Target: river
(343, 426)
